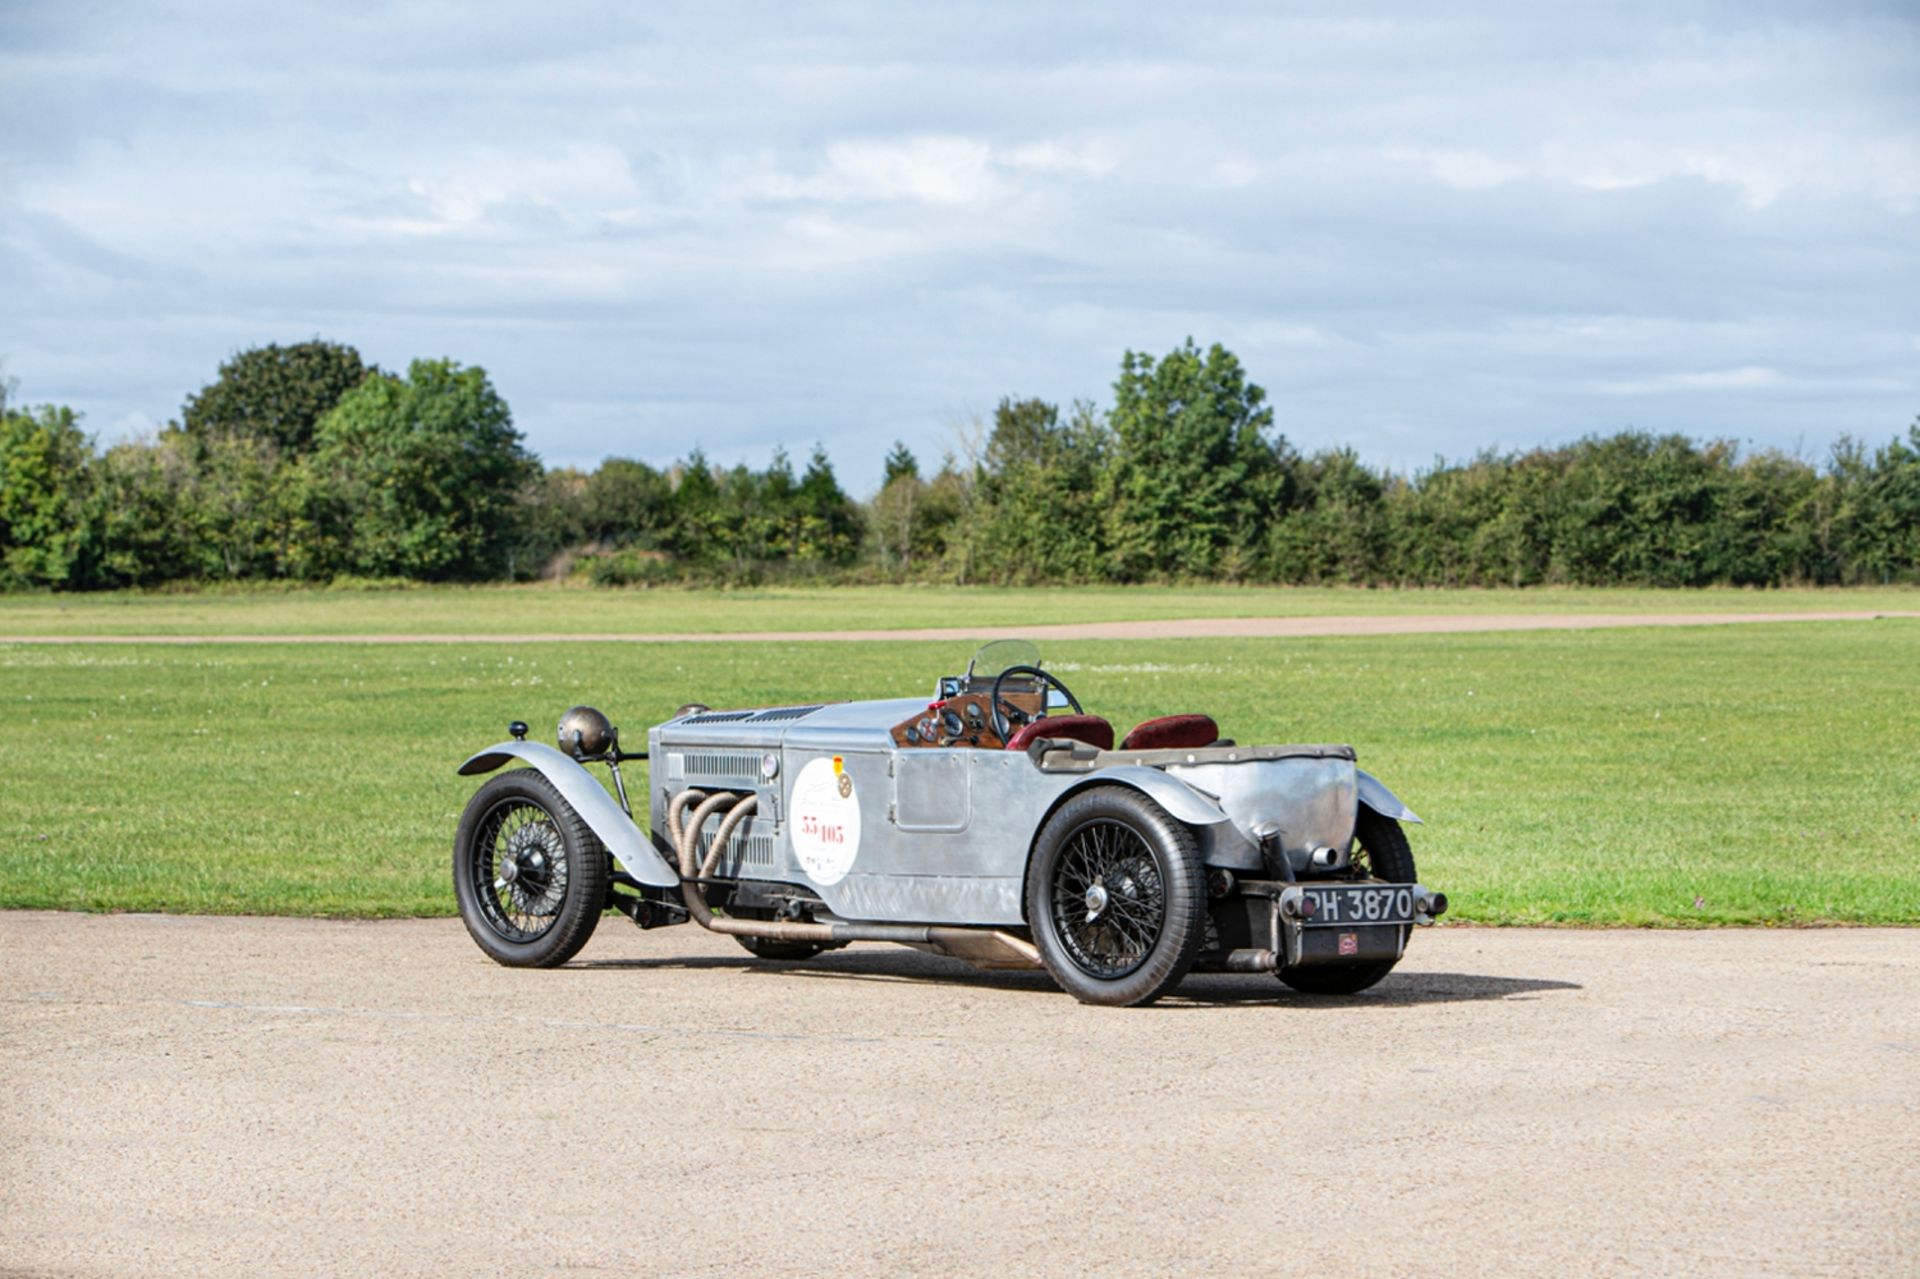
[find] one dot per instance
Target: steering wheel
(1002, 720)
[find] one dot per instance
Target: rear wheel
(1116, 897)
(1380, 851)
(530, 875)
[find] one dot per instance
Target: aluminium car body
(983, 823)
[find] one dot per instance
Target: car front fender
(626, 841)
(1381, 800)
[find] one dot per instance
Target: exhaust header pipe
(993, 945)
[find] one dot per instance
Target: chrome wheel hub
(522, 863)
(1096, 901)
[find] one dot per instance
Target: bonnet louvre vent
(718, 717)
(773, 715)
(780, 713)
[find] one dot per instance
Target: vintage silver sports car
(998, 823)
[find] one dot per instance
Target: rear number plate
(1345, 905)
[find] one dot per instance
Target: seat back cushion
(1091, 729)
(1172, 732)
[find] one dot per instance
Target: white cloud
(132, 426)
(769, 225)
(1753, 378)
(936, 170)
(1235, 170)
(1467, 170)
(1083, 159)
(580, 182)
(1748, 378)
(1761, 170)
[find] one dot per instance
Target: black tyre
(1116, 897)
(530, 876)
(767, 948)
(1380, 851)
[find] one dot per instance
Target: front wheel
(1380, 851)
(530, 875)
(1116, 897)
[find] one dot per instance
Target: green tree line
(303, 463)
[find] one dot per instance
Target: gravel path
(1170, 628)
(190, 1096)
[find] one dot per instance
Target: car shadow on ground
(1201, 990)
(1218, 990)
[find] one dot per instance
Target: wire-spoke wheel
(530, 875)
(1116, 897)
(1109, 906)
(520, 870)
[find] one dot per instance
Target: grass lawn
(531, 609)
(1762, 773)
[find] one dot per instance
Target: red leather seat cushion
(1091, 729)
(1172, 732)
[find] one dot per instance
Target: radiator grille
(738, 768)
(749, 852)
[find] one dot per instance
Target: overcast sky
(745, 227)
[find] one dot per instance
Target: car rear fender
(1381, 800)
(1179, 799)
(626, 841)
(1182, 802)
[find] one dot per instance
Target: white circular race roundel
(826, 820)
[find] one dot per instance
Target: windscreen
(998, 656)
